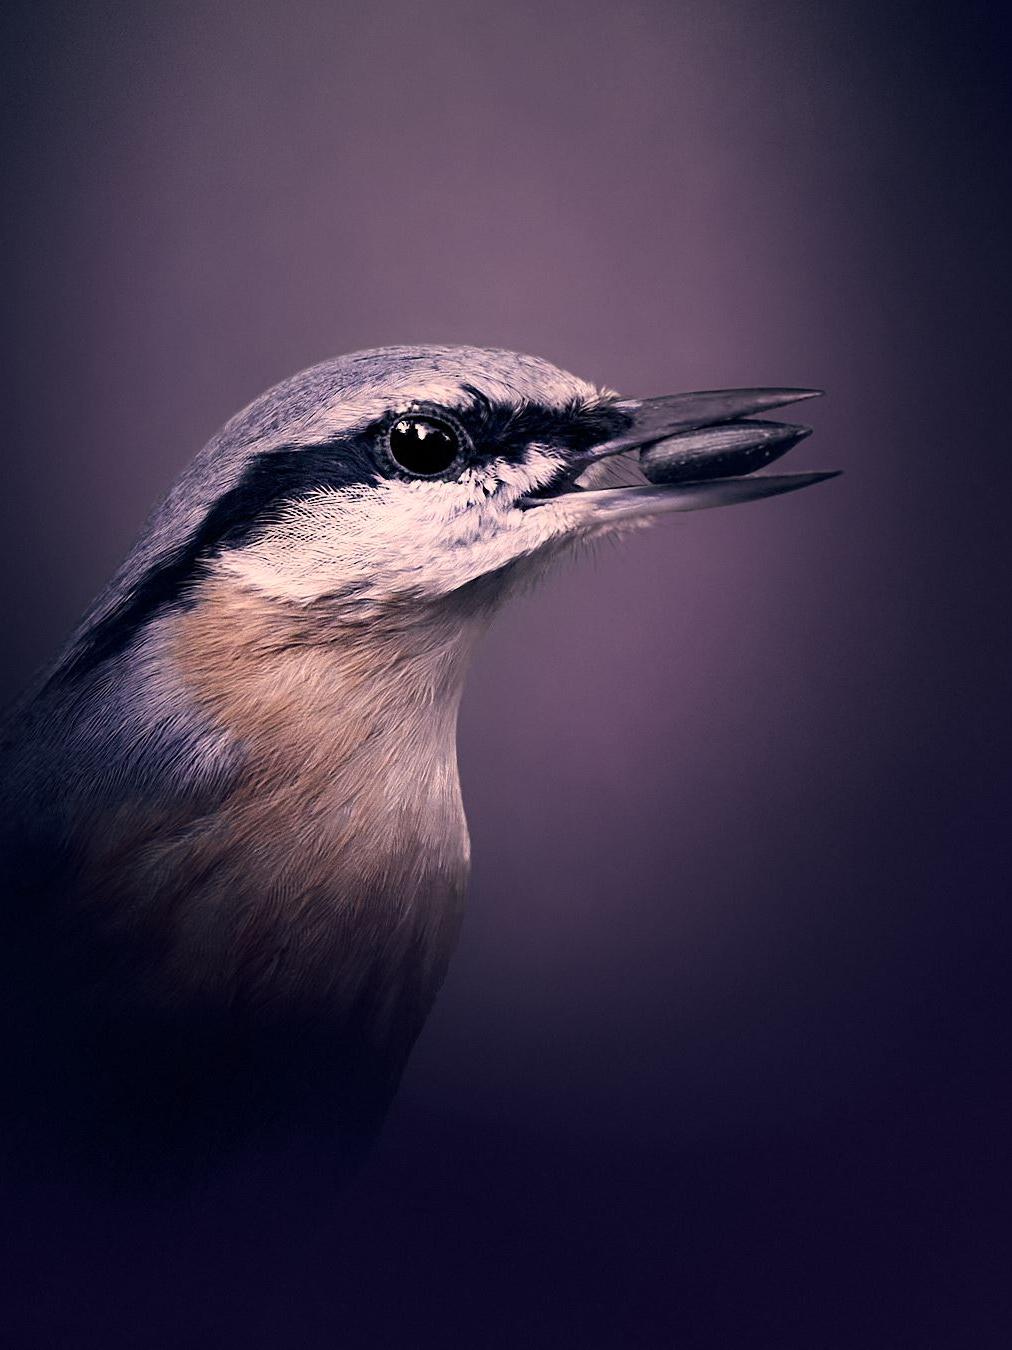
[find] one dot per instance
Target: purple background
(723, 1057)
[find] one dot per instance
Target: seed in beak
(727, 450)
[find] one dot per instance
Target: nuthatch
(235, 848)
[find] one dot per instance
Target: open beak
(695, 450)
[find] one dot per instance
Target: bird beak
(696, 450)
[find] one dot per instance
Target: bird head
(418, 473)
(375, 486)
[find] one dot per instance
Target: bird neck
(309, 673)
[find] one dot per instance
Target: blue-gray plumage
(234, 848)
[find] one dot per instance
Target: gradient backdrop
(723, 1058)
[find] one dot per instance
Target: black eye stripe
(506, 430)
(490, 431)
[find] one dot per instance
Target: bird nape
(234, 848)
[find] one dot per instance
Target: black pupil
(422, 445)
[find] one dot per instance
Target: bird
(235, 853)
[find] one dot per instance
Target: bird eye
(424, 446)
